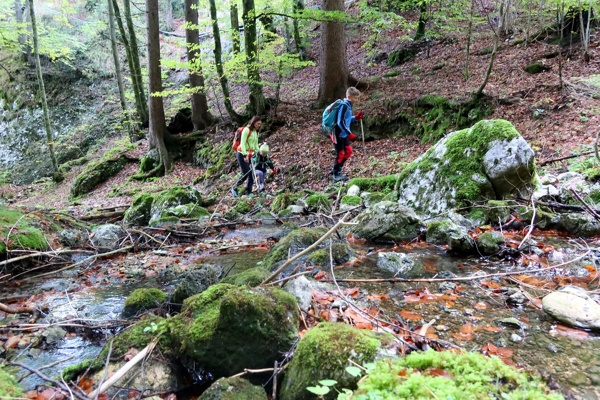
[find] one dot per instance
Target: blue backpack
(330, 119)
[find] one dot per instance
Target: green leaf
(354, 371)
(328, 382)
(318, 390)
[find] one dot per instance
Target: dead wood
(18, 309)
(553, 160)
(110, 214)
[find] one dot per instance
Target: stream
(471, 314)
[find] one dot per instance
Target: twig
(541, 163)
(289, 277)
(41, 253)
(47, 379)
(531, 226)
(589, 209)
(252, 371)
(46, 367)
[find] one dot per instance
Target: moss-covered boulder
(98, 172)
(250, 277)
(317, 201)
(384, 184)
(298, 240)
(143, 299)
(488, 161)
(579, 224)
(196, 280)
(19, 230)
(107, 236)
(497, 211)
(9, 388)
(489, 243)
(138, 214)
(371, 198)
(544, 218)
(166, 204)
(323, 353)
(449, 375)
(228, 328)
(446, 232)
(349, 201)
(234, 389)
(388, 221)
(535, 68)
(283, 201)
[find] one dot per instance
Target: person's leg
(260, 179)
(250, 181)
(339, 156)
(245, 167)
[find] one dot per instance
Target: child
(343, 136)
(261, 162)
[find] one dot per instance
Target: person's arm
(244, 141)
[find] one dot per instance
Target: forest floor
(570, 122)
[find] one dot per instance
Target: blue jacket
(345, 118)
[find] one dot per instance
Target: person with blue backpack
(337, 119)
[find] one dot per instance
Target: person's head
(264, 149)
(255, 123)
(353, 94)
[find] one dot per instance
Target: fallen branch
(122, 371)
(40, 254)
(253, 371)
(47, 366)
(552, 160)
(109, 214)
(587, 207)
(457, 279)
(305, 251)
(18, 309)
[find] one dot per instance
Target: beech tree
(257, 98)
(201, 116)
(333, 67)
(157, 128)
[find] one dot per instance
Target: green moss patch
(139, 211)
(283, 201)
(384, 184)
(18, 231)
(143, 299)
(318, 201)
(351, 200)
(445, 375)
(9, 388)
(251, 277)
(296, 240)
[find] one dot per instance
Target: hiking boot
(234, 192)
(339, 177)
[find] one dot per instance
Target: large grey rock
(72, 237)
(579, 224)
(387, 221)
(301, 288)
(396, 263)
(196, 280)
(446, 232)
(573, 306)
(489, 242)
(234, 388)
(490, 160)
(107, 236)
(168, 204)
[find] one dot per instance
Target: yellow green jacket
(248, 144)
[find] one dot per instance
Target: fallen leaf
(480, 306)
(569, 332)
(409, 315)
(465, 333)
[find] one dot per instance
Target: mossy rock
(166, 203)
(317, 201)
(341, 251)
(251, 277)
(9, 387)
(449, 375)
(497, 211)
(196, 280)
(489, 161)
(400, 56)
(388, 221)
(96, 173)
(213, 158)
(138, 214)
(535, 68)
(149, 161)
(350, 200)
(143, 299)
(228, 328)
(384, 184)
(283, 201)
(446, 232)
(489, 242)
(242, 207)
(23, 231)
(234, 388)
(323, 353)
(544, 218)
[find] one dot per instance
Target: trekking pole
(362, 131)
(254, 175)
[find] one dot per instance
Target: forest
(447, 248)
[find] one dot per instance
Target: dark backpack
(330, 118)
(237, 137)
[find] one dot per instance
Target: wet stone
(512, 323)
(516, 338)
(577, 379)
(552, 348)
(446, 286)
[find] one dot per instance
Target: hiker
(261, 162)
(342, 137)
(248, 146)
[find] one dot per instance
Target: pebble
(442, 328)
(468, 311)
(552, 348)
(516, 338)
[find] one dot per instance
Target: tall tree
(40, 78)
(118, 74)
(218, 51)
(235, 27)
(169, 16)
(201, 116)
(333, 68)
(135, 71)
(257, 98)
(158, 128)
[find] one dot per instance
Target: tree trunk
(22, 40)
(141, 105)
(201, 116)
(136, 72)
(422, 25)
(118, 74)
(488, 73)
(40, 78)
(257, 98)
(333, 68)
(219, 64)
(158, 127)
(169, 16)
(298, 6)
(235, 27)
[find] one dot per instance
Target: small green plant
(322, 389)
(152, 328)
